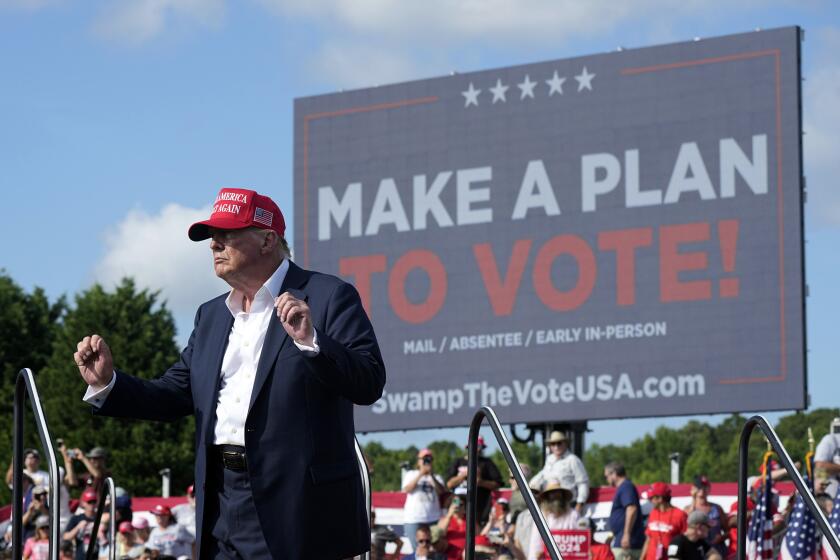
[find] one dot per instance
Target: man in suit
(271, 372)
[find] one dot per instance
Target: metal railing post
(780, 450)
(513, 465)
(25, 385)
(365, 474)
(110, 492)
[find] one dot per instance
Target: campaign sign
(573, 543)
(616, 235)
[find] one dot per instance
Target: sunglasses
(423, 541)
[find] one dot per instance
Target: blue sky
(119, 121)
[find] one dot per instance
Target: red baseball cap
(239, 209)
(125, 527)
(161, 509)
(659, 489)
(90, 495)
(480, 441)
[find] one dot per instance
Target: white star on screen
(555, 84)
(527, 87)
(471, 96)
(601, 525)
(584, 80)
(499, 91)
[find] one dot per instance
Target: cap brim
(200, 231)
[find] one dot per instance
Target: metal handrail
(513, 465)
(365, 474)
(112, 519)
(25, 385)
(780, 450)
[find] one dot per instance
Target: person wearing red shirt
(664, 522)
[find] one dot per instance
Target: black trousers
(231, 528)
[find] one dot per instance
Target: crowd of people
(434, 515)
(435, 511)
(171, 536)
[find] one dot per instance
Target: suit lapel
(210, 376)
(276, 338)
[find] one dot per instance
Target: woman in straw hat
(556, 505)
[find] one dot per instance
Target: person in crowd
(664, 523)
(439, 542)
(37, 508)
(80, 526)
(31, 468)
(827, 457)
(383, 536)
(68, 480)
(141, 529)
(37, 547)
(455, 525)
(732, 523)
(556, 503)
(127, 540)
(169, 537)
(96, 468)
(185, 513)
(718, 520)
(517, 501)
(564, 466)
(423, 548)
(424, 490)
(66, 551)
(692, 545)
(625, 515)
(489, 479)
(497, 527)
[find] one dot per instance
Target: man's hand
(94, 360)
(296, 318)
(625, 541)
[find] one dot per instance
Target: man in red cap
(80, 526)
(271, 372)
(664, 523)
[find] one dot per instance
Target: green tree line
(42, 335)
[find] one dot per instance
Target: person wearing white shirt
(556, 505)
(271, 374)
(565, 467)
(423, 490)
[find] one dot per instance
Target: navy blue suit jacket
(299, 434)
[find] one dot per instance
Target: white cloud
(349, 65)
(154, 250)
(136, 21)
(533, 20)
(821, 105)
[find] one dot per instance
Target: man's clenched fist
(94, 360)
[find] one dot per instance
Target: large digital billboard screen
(616, 235)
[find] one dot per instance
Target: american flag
(801, 537)
(834, 523)
(760, 531)
(263, 216)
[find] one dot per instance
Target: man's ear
(269, 242)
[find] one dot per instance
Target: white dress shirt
(239, 365)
